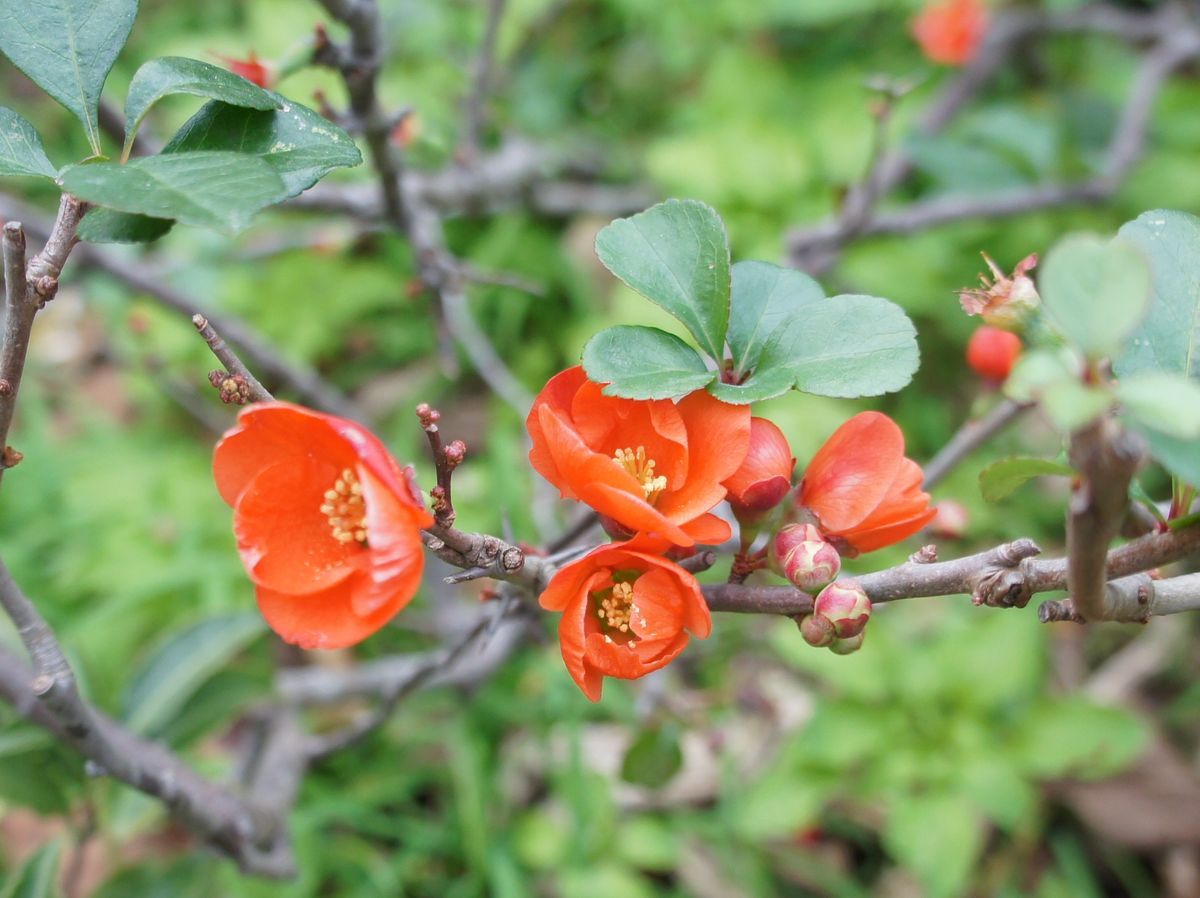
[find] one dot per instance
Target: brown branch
(1106, 457)
(475, 107)
(1006, 576)
(1132, 599)
(969, 437)
(254, 391)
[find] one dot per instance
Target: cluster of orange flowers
(328, 525)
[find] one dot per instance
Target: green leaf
(1070, 404)
(1073, 737)
(162, 686)
(110, 226)
(1169, 337)
(217, 190)
(168, 75)
(1096, 291)
(1038, 369)
(937, 837)
(36, 878)
(67, 47)
(1179, 456)
(1002, 478)
(764, 296)
(676, 255)
(21, 150)
(1159, 400)
(765, 383)
(644, 363)
(653, 758)
(845, 347)
(300, 145)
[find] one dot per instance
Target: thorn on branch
(10, 458)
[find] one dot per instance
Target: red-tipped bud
(816, 630)
(951, 520)
(846, 606)
(848, 646)
(799, 553)
(765, 476)
(993, 352)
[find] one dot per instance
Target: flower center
(642, 469)
(615, 608)
(345, 509)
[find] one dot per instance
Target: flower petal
(283, 536)
(718, 439)
(852, 472)
(320, 620)
(708, 530)
(609, 423)
(395, 555)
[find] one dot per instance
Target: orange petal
(708, 530)
(395, 555)
(657, 609)
(556, 396)
(573, 629)
(850, 475)
(320, 620)
(283, 536)
(718, 439)
(868, 540)
(270, 432)
(633, 512)
(608, 423)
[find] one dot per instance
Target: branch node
(924, 555)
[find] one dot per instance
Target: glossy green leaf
(1095, 290)
(1169, 337)
(653, 758)
(168, 75)
(168, 679)
(764, 296)
(37, 877)
(1168, 403)
(676, 255)
(765, 383)
(937, 837)
(21, 151)
(1002, 478)
(300, 145)
(67, 47)
(110, 226)
(644, 363)
(217, 190)
(846, 346)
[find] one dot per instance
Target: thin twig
(475, 107)
(970, 437)
(228, 358)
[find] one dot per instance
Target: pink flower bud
(816, 630)
(766, 474)
(846, 606)
(847, 646)
(799, 553)
(951, 520)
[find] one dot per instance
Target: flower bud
(816, 630)
(766, 474)
(847, 646)
(799, 553)
(846, 606)
(993, 352)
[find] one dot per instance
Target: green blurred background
(957, 754)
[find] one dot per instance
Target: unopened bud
(846, 606)
(816, 630)
(849, 645)
(951, 520)
(799, 553)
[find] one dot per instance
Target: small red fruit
(993, 352)
(950, 31)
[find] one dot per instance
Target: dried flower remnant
(1006, 302)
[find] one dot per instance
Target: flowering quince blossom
(251, 68)
(646, 465)
(328, 525)
(627, 611)
(950, 31)
(861, 490)
(765, 477)
(1004, 301)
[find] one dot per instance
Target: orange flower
(993, 352)
(950, 31)
(861, 489)
(766, 475)
(327, 523)
(648, 465)
(626, 611)
(251, 68)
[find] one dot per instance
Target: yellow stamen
(346, 510)
(616, 609)
(642, 469)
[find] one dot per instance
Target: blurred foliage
(925, 751)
